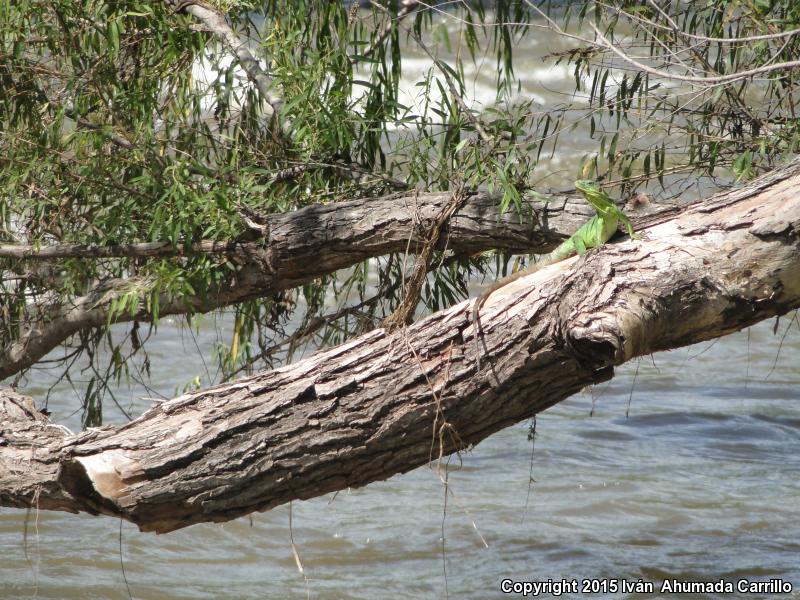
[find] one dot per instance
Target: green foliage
(651, 126)
(125, 122)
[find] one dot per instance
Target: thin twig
(604, 43)
(443, 68)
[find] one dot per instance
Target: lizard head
(587, 186)
(593, 193)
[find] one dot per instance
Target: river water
(685, 466)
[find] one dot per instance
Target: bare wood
(404, 314)
(384, 404)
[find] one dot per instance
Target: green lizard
(592, 234)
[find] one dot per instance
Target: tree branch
(716, 79)
(407, 7)
(216, 24)
(298, 247)
(94, 251)
(607, 45)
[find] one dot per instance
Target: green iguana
(592, 234)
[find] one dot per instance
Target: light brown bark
(384, 404)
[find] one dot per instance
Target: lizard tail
(476, 322)
(476, 319)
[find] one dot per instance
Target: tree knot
(593, 344)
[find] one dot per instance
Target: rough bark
(298, 247)
(383, 404)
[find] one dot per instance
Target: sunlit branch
(217, 25)
(604, 43)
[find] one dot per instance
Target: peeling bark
(384, 404)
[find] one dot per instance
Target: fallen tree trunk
(293, 249)
(384, 404)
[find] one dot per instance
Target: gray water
(699, 482)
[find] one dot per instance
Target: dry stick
(645, 23)
(467, 514)
(630, 396)
(296, 555)
(122, 563)
(403, 314)
(530, 470)
(747, 370)
(34, 567)
(436, 429)
(605, 44)
(790, 65)
(444, 518)
(783, 339)
(703, 38)
(216, 24)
